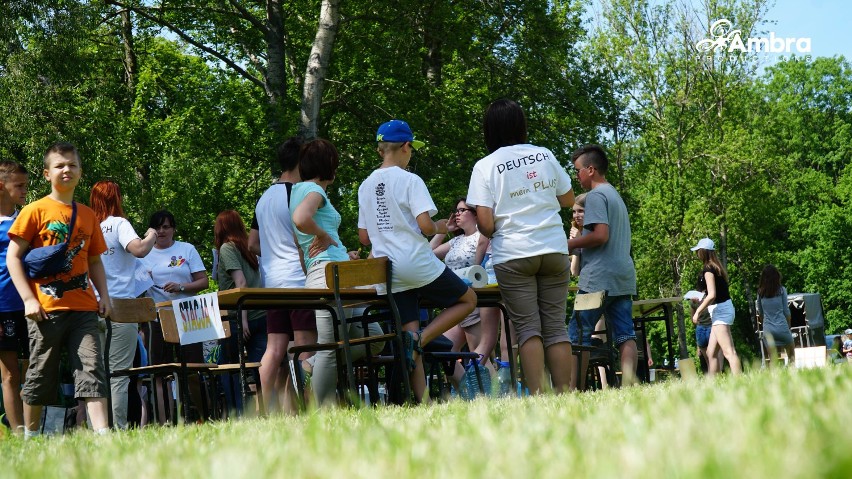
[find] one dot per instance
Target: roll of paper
(475, 276)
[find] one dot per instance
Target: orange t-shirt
(45, 222)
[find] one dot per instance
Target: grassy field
(780, 423)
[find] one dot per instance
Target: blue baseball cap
(397, 131)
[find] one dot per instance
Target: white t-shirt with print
(173, 264)
(389, 201)
(279, 258)
(118, 263)
(521, 183)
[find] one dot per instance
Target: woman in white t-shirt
(123, 248)
(177, 272)
(519, 190)
(479, 329)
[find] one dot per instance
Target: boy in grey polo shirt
(607, 265)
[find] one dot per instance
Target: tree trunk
(130, 64)
(434, 61)
(276, 68)
(318, 62)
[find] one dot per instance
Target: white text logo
(725, 38)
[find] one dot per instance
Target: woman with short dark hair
(316, 222)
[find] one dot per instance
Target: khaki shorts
(76, 332)
(535, 292)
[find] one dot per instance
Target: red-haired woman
(123, 247)
(238, 268)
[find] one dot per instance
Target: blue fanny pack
(50, 260)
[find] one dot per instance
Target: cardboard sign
(198, 319)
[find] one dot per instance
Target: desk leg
(513, 373)
(643, 336)
(667, 311)
(241, 359)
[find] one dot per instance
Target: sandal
(409, 347)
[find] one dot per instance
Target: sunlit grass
(782, 423)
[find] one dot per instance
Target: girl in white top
(479, 329)
(123, 248)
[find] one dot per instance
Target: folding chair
(341, 275)
(589, 356)
(230, 369)
(143, 311)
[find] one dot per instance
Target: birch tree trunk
(318, 61)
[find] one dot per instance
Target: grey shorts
(76, 332)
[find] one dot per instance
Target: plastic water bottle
(504, 379)
(489, 268)
(472, 383)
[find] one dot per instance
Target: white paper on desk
(692, 294)
(142, 279)
(474, 275)
(198, 318)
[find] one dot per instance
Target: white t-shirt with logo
(279, 255)
(521, 183)
(174, 264)
(118, 263)
(389, 201)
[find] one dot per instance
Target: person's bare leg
(457, 336)
(532, 357)
(11, 374)
(629, 360)
(726, 342)
(488, 326)
(96, 409)
(449, 317)
(417, 378)
(713, 351)
(560, 362)
(32, 417)
(276, 352)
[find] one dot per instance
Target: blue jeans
(618, 311)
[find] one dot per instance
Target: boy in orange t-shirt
(61, 310)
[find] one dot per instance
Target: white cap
(848, 331)
(692, 294)
(704, 243)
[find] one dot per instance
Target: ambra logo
(725, 38)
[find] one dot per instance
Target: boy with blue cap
(394, 212)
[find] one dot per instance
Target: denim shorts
(722, 313)
(618, 311)
(702, 335)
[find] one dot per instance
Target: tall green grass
(779, 423)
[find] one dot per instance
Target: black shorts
(14, 335)
(443, 292)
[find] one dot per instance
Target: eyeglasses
(576, 171)
(462, 210)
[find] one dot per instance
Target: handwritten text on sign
(198, 318)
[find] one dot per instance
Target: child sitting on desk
(394, 212)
